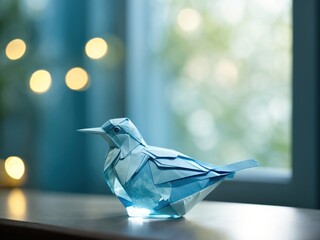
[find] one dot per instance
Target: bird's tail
(237, 166)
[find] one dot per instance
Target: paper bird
(156, 182)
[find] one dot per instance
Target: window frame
(298, 187)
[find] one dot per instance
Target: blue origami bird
(156, 182)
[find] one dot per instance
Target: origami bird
(156, 182)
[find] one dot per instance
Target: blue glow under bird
(156, 182)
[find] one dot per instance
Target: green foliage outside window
(229, 88)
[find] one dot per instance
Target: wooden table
(44, 215)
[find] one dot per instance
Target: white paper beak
(92, 130)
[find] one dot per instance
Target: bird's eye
(116, 129)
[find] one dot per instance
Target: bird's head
(118, 132)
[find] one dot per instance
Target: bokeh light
(16, 49)
(201, 125)
(17, 204)
(189, 19)
(40, 81)
(226, 73)
(37, 5)
(96, 48)
(77, 79)
(197, 68)
(14, 167)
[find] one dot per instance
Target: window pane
(228, 64)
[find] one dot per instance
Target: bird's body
(153, 181)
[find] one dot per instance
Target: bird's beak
(101, 132)
(92, 130)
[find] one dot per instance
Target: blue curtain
(67, 160)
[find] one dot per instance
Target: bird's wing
(168, 165)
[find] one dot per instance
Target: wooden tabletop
(69, 216)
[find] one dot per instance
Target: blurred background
(212, 79)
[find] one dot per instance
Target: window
(216, 77)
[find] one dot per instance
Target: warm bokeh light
(96, 48)
(188, 19)
(16, 204)
(40, 81)
(14, 167)
(16, 49)
(77, 79)
(226, 73)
